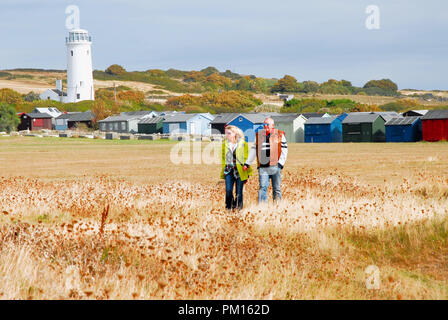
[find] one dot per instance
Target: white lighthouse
(79, 70)
(79, 66)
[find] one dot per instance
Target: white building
(79, 70)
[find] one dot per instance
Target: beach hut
(363, 127)
(220, 121)
(387, 115)
(35, 121)
(74, 119)
(404, 129)
(250, 123)
(151, 125)
(192, 123)
(60, 123)
(126, 122)
(435, 125)
(325, 129)
(415, 113)
(293, 125)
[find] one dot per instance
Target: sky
(310, 40)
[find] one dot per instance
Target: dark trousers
(231, 201)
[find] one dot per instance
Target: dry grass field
(96, 219)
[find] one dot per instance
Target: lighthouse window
(71, 52)
(80, 83)
(87, 52)
(78, 96)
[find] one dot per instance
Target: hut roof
(66, 115)
(185, 117)
(287, 117)
(259, 117)
(81, 116)
(398, 121)
(313, 115)
(323, 120)
(37, 115)
(121, 117)
(224, 118)
(416, 112)
(151, 120)
(361, 118)
(435, 115)
(180, 117)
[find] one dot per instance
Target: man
(271, 151)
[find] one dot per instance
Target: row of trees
(385, 87)
(338, 106)
(211, 79)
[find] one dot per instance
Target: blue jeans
(264, 174)
(231, 201)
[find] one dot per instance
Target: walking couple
(270, 149)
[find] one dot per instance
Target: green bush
(209, 71)
(335, 106)
(115, 69)
(31, 96)
(8, 118)
(309, 86)
(303, 105)
(10, 96)
(4, 74)
(231, 75)
(173, 73)
(375, 91)
(382, 87)
(334, 89)
(286, 84)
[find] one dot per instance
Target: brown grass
(116, 220)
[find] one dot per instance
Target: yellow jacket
(242, 152)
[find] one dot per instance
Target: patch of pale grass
(174, 239)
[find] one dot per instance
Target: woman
(234, 154)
